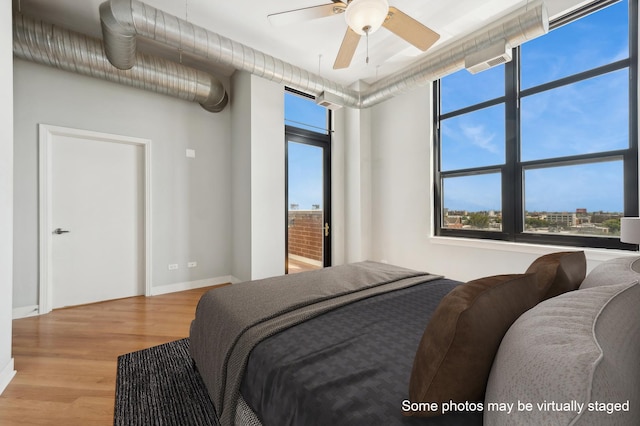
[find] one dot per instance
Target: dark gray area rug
(160, 386)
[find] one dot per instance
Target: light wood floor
(66, 360)
(296, 266)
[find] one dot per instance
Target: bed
(376, 344)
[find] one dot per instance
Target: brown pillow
(559, 272)
(454, 358)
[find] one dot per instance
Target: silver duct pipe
(123, 20)
(60, 48)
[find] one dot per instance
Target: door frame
(295, 134)
(47, 134)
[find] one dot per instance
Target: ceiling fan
(363, 18)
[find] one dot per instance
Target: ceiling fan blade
(407, 28)
(306, 14)
(347, 49)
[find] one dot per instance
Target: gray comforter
(347, 367)
(232, 320)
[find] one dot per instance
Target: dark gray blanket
(347, 367)
(231, 320)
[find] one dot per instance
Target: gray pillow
(581, 346)
(613, 271)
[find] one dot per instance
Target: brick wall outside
(305, 233)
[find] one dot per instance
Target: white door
(97, 219)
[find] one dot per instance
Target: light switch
(191, 153)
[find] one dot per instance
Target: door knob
(59, 231)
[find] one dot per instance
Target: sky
(585, 117)
(304, 161)
(305, 175)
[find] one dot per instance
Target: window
(307, 183)
(544, 148)
(302, 112)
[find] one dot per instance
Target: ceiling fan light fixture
(366, 16)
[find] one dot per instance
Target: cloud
(479, 136)
(584, 117)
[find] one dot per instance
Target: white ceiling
(310, 45)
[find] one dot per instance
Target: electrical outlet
(192, 264)
(173, 266)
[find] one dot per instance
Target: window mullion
(437, 184)
(511, 174)
(631, 196)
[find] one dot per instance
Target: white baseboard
(190, 285)
(6, 375)
(26, 311)
(33, 310)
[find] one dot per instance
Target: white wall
(402, 205)
(258, 177)
(268, 215)
(6, 193)
(357, 185)
(241, 175)
(191, 212)
(338, 190)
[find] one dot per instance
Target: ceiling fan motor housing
(366, 16)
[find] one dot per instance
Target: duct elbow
(216, 101)
(118, 33)
(217, 97)
(60, 48)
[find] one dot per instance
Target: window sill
(596, 254)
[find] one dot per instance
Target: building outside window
(543, 149)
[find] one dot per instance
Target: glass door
(308, 197)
